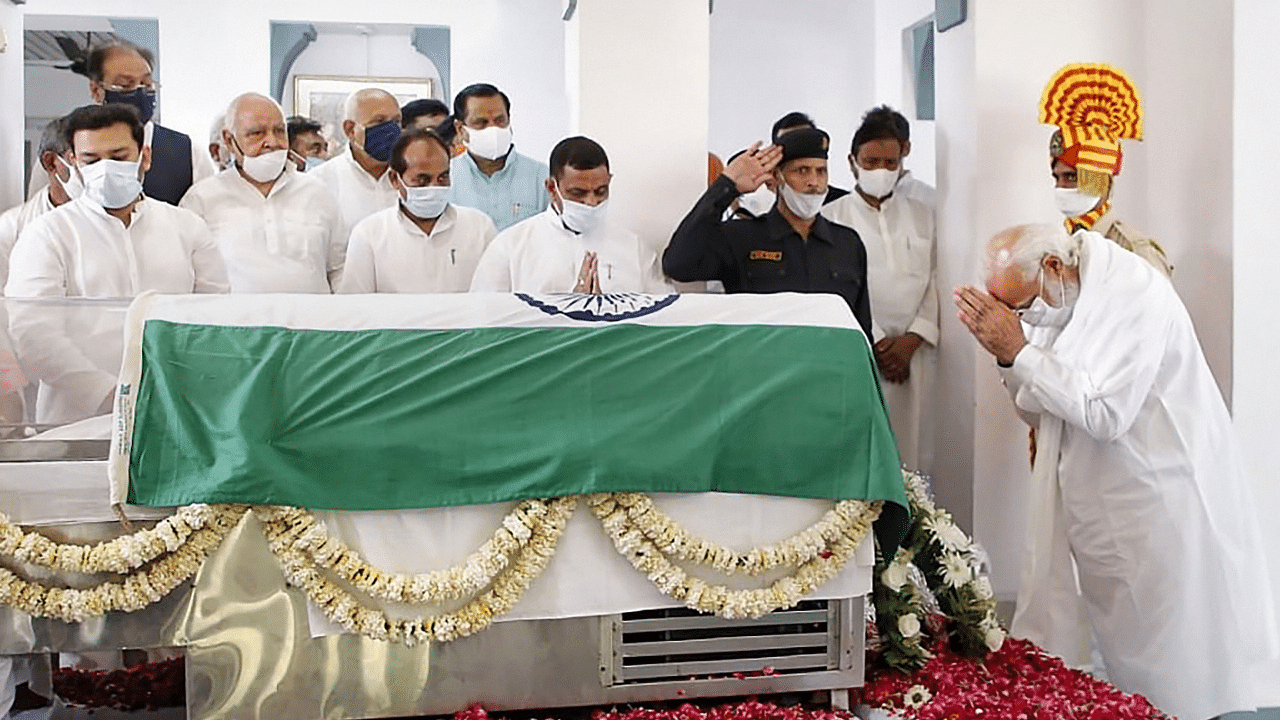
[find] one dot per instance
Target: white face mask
(877, 183)
(112, 183)
(490, 143)
(425, 202)
(265, 167)
(1041, 313)
(73, 186)
(758, 201)
(1073, 203)
(581, 217)
(804, 205)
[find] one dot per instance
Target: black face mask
(141, 99)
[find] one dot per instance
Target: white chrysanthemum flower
(895, 576)
(909, 625)
(916, 696)
(994, 639)
(955, 570)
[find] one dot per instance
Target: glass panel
(59, 361)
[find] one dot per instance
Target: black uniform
(766, 255)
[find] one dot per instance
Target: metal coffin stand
(250, 654)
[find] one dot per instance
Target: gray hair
(1024, 246)
(215, 130)
(52, 139)
(229, 118)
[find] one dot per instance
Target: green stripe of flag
(382, 419)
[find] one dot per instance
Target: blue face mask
(379, 138)
(142, 99)
(313, 162)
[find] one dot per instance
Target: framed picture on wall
(320, 97)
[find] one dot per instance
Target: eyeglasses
(148, 88)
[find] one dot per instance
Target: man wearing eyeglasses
(121, 73)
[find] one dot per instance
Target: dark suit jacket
(170, 174)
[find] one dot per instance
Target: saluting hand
(589, 275)
(749, 170)
(992, 323)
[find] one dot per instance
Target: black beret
(804, 143)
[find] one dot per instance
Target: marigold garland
(674, 582)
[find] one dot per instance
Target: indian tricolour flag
(404, 401)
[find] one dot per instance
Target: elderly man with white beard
(1138, 476)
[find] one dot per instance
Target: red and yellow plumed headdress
(1094, 107)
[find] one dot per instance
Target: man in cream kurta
(78, 250)
(571, 246)
(540, 255)
(425, 244)
(357, 178)
(279, 231)
(898, 232)
(112, 242)
(1138, 475)
(388, 253)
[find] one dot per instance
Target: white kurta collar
(442, 226)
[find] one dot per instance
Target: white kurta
(902, 278)
(539, 255)
(1140, 474)
(389, 253)
(78, 250)
(913, 187)
(357, 193)
(13, 220)
(290, 240)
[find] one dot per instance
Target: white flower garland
(674, 582)
(674, 541)
(304, 571)
(119, 555)
(310, 536)
(135, 592)
(494, 577)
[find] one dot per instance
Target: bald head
(367, 104)
(248, 107)
(253, 125)
(372, 120)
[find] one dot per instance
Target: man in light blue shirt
(490, 176)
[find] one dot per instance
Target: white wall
(345, 51)
(956, 132)
(892, 82)
(208, 57)
(659, 170)
(769, 58)
(1257, 394)
(11, 118)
